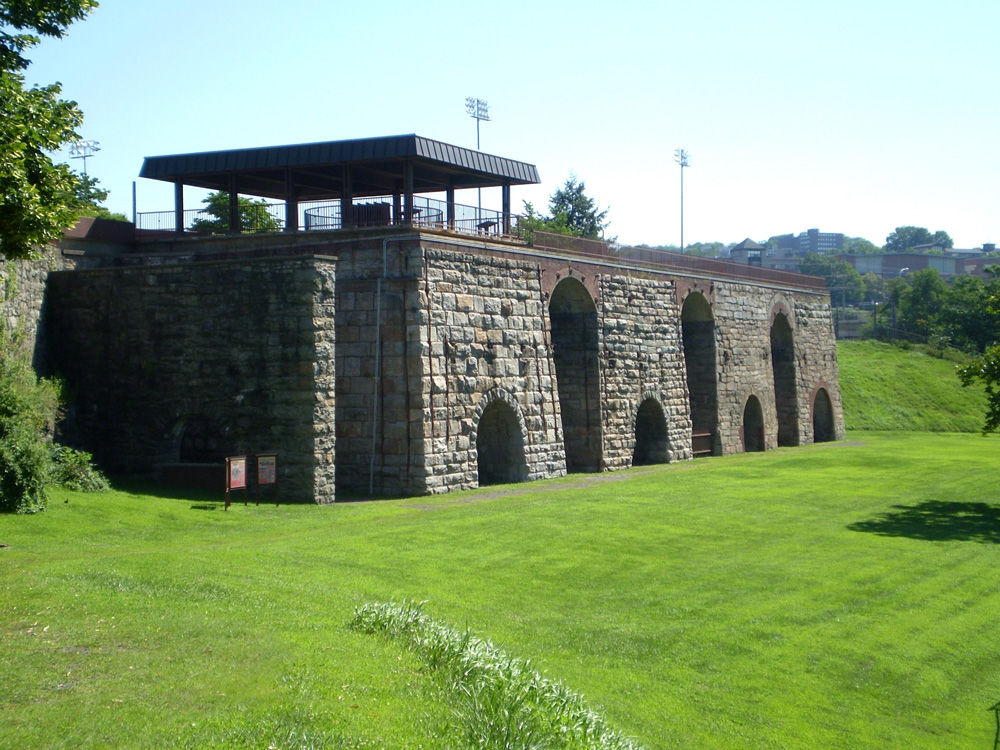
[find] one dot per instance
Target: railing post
(179, 207)
(291, 204)
(450, 207)
(505, 200)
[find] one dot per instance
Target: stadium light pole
(478, 110)
(683, 158)
(84, 150)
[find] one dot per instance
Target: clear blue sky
(852, 117)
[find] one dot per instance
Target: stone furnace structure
(385, 343)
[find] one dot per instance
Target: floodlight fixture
(84, 150)
(478, 110)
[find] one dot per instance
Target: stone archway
(500, 443)
(651, 445)
(783, 366)
(573, 322)
(753, 426)
(823, 431)
(698, 334)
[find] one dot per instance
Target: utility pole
(478, 110)
(682, 157)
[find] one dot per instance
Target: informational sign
(267, 468)
(236, 472)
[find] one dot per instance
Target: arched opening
(753, 426)
(650, 434)
(698, 333)
(822, 417)
(783, 364)
(573, 321)
(500, 446)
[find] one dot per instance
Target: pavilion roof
(316, 171)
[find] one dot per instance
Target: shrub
(75, 470)
(28, 410)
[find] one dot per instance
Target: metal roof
(316, 170)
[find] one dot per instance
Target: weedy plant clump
(503, 702)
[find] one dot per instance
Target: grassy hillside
(888, 388)
(834, 595)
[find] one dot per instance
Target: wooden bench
(701, 443)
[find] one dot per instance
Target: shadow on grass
(938, 521)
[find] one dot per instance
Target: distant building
(748, 251)
(810, 241)
(891, 265)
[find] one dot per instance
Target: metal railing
(254, 217)
(384, 211)
(328, 215)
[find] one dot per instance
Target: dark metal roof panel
(476, 166)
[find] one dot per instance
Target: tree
(905, 238)
(571, 205)
(920, 302)
(39, 197)
(967, 318)
(842, 279)
(860, 246)
(573, 212)
(90, 196)
(254, 216)
(874, 288)
(986, 369)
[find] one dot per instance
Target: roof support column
(505, 200)
(397, 206)
(291, 204)
(450, 199)
(179, 207)
(234, 207)
(347, 200)
(408, 192)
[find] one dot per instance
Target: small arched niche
(651, 446)
(822, 417)
(500, 446)
(753, 426)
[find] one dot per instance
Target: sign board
(267, 466)
(236, 473)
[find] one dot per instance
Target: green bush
(75, 470)
(28, 410)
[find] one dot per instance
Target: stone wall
(457, 361)
(484, 336)
(380, 421)
(744, 315)
(642, 359)
(190, 363)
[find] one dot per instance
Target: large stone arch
(752, 430)
(824, 428)
(698, 334)
(784, 372)
(651, 443)
(574, 330)
(500, 437)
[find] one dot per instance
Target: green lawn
(838, 595)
